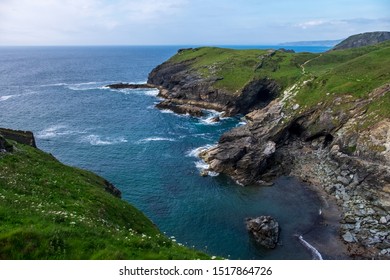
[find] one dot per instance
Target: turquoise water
(59, 94)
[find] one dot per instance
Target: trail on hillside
(306, 62)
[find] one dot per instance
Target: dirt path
(306, 62)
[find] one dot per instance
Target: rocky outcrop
(130, 86)
(265, 230)
(179, 83)
(5, 146)
(340, 145)
(110, 188)
(27, 138)
(325, 147)
(23, 137)
(362, 40)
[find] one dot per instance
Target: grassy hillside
(318, 77)
(52, 211)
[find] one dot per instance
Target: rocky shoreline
(321, 145)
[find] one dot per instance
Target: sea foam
(151, 139)
(314, 252)
(97, 140)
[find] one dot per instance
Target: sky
(186, 22)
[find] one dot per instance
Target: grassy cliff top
(52, 211)
(318, 76)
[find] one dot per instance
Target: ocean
(59, 93)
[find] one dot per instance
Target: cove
(59, 94)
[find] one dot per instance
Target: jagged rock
(180, 108)
(22, 137)
(348, 237)
(215, 119)
(110, 188)
(131, 86)
(4, 145)
(265, 230)
(183, 83)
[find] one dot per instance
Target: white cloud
(311, 23)
(63, 21)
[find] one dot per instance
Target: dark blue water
(59, 94)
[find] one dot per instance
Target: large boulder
(265, 230)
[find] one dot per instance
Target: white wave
(54, 131)
(55, 85)
(6, 97)
(195, 152)
(150, 139)
(97, 140)
(151, 92)
(167, 111)
(210, 117)
(204, 168)
(201, 165)
(241, 124)
(314, 252)
(86, 86)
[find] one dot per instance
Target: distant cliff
(324, 118)
(362, 40)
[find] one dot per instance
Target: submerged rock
(265, 230)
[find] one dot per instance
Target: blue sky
(181, 22)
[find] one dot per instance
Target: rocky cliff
(321, 117)
(362, 40)
(186, 83)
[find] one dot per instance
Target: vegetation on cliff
(323, 117)
(52, 211)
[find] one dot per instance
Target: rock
(180, 108)
(269, 148)
(20, 136)
(383, 220)
(110, 188)
(343, 180)
(4, 145)
(349, 219)
(295, 107)
(215, 119)
(265, 230)
(131, 86)
(348, 237)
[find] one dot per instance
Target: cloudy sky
(178, 22)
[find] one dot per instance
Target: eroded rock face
(179, 83)
(23, 137)
(325, 148)
(265, 230)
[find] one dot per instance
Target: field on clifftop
(319, 77)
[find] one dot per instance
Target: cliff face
(182, 83)
(362, 40)
(326, 120)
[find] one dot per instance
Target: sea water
(60, 94)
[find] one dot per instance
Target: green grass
(354, 72)
(52, 211)
(328, 75)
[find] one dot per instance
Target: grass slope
(52, 211)
(322, 77)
